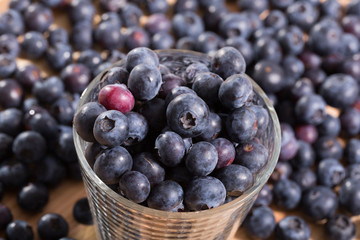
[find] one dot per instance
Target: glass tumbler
(118, 218)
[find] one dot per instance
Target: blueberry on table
(147, 164)
(349, 196)
(305, 177)
(58, 35)
(260, 222)
(141, 55)
(311, 109)
(276, 19)
(45, 124)
(291, 39)
(9, 45)
(252, 155)
(108, 35)
(292, 228)
(226, 152)
(76, 77)
(234, 25)
(265, 196)
(6, 142)
(111, 128)
(186, 5)
(38, 17)
(204, 193)
(269, 75)
(29, 147)
(170, 147)
(235, 91)
(82, 213)
(134, 186)
(48, 90)
(137, 37)
(328, 147)
(236, 179)
(14, 174)
(33, 197)
(64, 145)
(90, 58)
(19, 5)
(112, 163)
(241, 125)
(130, 14)
(138, 128)
(187, 115)
(353, 171)
(257, 6)
(19, 229)
(11, 93)
(350, 121)
(302, 14)
(144, 81)
(187, 24)
(330, 172)
(340, 227)
(228, 61)
(166, 196)
(352, 151)
(268, 48)
(5, 216)
(201, 159)
(51, 171)
(12, 22)
(7, 65)
(207, 42)
(59, 56)
(283, 170)
(287, 193)
(52, 226)
(81, 36)
(34, 45)
(81, 11)
(307, 133)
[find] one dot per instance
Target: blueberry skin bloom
(144, 81)
(85, 118)
(187, 115)
(112, 163)
(111, 128)
(171, 148)
(241, 125)
(135, 186)
(166, 196)
(201, 159)
(138, 128)
(340, 227)
(235, 91)
(204, 193)
(260, 222)
(319, 202)
(292, 228)
(236, 179)
(311, 109)
(228, 61)
(349, 196)
(339, 90)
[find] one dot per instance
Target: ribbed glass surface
(118, 218)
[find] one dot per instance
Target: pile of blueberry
(175, 142)
(304, 54)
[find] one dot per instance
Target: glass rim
(259, 180)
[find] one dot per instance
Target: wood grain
(63, 197)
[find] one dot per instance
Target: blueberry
(214, 128)
(130, 14)
(228, 61)
(134, 186)
(165, 196)
(112, 17)
(269, 75)
(252, 155)
(115, 75)
(157, 22)
(6, 216)
(111, 163)
(287, 193)
(257, 6)
(156, 6)
(352, 151)
(330, 126)
(353, 171)
(276, 19)
(292, 227)
(38, 17)
(235, 91)
(50, 171)
(170, 156)
(208, 41)
(350, 23)
(45, 124)
(262, 118)
(81, 11)
(11, 93)
(304, 177)
(187, 24)
(51, 3)
(265, 196)
(52, 226)
(283, 170)
(147, 164)
(349, 196)
(81, 36)
(162, 40)
(111, 5)
(29, 146)
(305, 156)
(154, 112)
(138, 128)
(48, 90)
(302, 14)
(186, 5)
(340, 227)
(328, 147)
(350, 121)
(33, 197)
(28, 75)
(141, 55)
(9, 45)
(58, 35)
(311, 109)
(353, 7)
(241, 125)
(7, 65)
(19, 5)
(169, 82)
(307, 133)
(34, 45)
(81, 211)
(213, 14)
(193, 69)
(5, 145)
(14, 174)
(19, 229)
(59, 56)
(12, 22)
(64, 144)
(235, 25)
(187, 115)
(108, 35)
(291, 39)
(243, 46)
(319, 202)
(267, 48)
(260, 222)
(63, 109)
(76, 77)
(201, 159)
(330, 172)
(236, 178)
(204, 193)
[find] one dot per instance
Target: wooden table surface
(63, 197)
